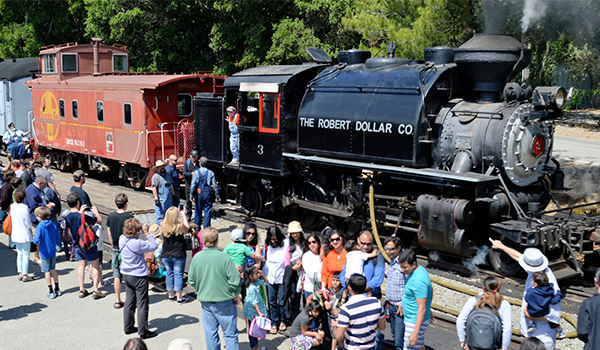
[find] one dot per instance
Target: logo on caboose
(49, 110)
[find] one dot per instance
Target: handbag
(117, 260)
(7, 225)
(191, 242)
(259, 327)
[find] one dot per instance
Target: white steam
(433, 255)
(480, 258)
(533, 11)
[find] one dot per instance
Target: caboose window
(184, 105)
(69, 62)
(127, 113)
(75, 109)
(119, 63)
(269, 113)
(61, 109)
(49, 63)
(100, 111)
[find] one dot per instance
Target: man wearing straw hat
(532, 260)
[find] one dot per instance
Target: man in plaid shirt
(394, 291)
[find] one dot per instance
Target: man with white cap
(233, 119)
(532, 260)
(25, 151)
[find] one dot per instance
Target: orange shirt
(333, 263)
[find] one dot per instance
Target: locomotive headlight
(554, 97)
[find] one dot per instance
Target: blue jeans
(397, 327)
(224, 314)
(174, 267)
(203, 203)
(276, 298)
(23, 250)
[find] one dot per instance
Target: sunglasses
(312, 242)
(250, 233)
(367, 244)
(388, 249)
(335, 239)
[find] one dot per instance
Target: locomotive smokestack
(96, 49)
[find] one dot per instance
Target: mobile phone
(181, 206)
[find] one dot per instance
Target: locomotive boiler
(444, 152)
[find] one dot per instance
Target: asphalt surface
(577, 150)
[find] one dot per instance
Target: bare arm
(513, 253)
(380, 324)
(256, 257)
(422, 303)
(340, 333)
(109, 237)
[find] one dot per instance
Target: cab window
(69, 62)
(127, 114)
(269, 113)
(119, 63)
(184, 105)
(100, 111)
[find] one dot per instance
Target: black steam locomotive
(444, 152)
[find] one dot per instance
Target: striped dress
(360, 316)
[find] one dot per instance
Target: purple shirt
(132, 255)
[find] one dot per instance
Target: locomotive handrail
(570, 208)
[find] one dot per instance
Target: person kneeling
(302, 336)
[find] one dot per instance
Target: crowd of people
(324, 288)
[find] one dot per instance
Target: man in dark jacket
(35, 198)
(588, 321)
(189, 167)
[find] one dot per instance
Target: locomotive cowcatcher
(90, 113)
(444, 152)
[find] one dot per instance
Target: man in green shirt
(216, 279)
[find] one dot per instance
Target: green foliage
(291, 36)
(18, 40)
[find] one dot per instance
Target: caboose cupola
(490, 61)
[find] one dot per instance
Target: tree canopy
(227, 36)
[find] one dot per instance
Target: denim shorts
(48, 264)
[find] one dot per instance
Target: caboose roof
(125, 81)
(11, 69)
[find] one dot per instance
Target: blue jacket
(24, 152)
(373, 274)
(34, 199)
(46, 234)
(539, 300)
(173, 175)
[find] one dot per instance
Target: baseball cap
(25, 139)
(194, 153)
(230, 109)
(78, 174)
(237, 235)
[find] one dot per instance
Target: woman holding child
(174, 227)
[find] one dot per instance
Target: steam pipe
(96, 50)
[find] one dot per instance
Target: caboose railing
(162, 132)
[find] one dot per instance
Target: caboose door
(260, 143)
(209, 127)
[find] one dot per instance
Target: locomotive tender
(446, 151)
(90, 112)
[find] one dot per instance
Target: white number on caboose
(74, 142)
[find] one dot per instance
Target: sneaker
(57, 292)
(50, 295)
(531, 329)
(98, 295)
(148, 335)
(173, 298)
(182, 301)
(562, 334)
(26, 279)
(104, 283)
(87, 268)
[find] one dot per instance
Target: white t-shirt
(98, 231)
(275, 263)
(355, 260)
(21, 223)
(311, 264)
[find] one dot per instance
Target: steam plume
(533, 11)
(479, 259)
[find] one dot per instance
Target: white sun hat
(533, 260)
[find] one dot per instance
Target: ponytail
(491, 294)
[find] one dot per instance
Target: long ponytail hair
(491, 294)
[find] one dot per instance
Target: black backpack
(484, 329)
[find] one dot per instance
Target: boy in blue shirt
(47, 236)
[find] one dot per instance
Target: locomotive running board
(435, 173)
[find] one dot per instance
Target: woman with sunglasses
(293, 272)
(335, 257)
(311, 264)
(251, 237)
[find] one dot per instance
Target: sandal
(119, 305)
(282, 327)
(83, 293)
(98, 295)
(273, 330)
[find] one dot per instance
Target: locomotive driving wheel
(310, 190)
(503, 263)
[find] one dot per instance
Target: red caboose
(90, 113)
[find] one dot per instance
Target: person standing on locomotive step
(73, 222)
(162, 191)
(189, 167)
(114, 225)
(416, 301)
(25, 151)
(173, 176)
(79, 179)
(233, 119)
(203, 186)
(533, 260)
